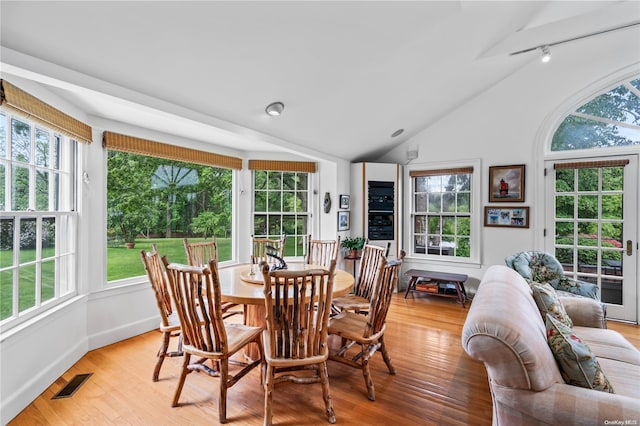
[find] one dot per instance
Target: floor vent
(72, 386)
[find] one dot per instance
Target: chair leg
(326, 392)
(268, 394)
(183, 376)
(386, 357)
(368, 380)
(162, 352)
(222, 400)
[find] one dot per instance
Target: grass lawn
(121, 263)
(125, 263)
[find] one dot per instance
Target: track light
(546, 54)
(274, 109)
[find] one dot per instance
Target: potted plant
(353, 245)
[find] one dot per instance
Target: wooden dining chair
(298, 304)
(322, 252)
(169, 323)
(367, 332)
(260, 248)
(358, 300)
(196, 292)
(199, 254)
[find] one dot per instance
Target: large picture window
(152, 200)
(281, 206)
(38, 220)
(441, 212)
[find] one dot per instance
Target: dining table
(244, 284)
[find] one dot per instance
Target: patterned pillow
(578, 365)
(548, 303)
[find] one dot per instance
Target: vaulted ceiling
(349, 73)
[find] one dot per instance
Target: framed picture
(512, 216)
(344, 201)
(343, 221)
(506, 183)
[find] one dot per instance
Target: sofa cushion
(548, 303)
(623, 377)
(578, 364)
(609, 344)
(537, 266)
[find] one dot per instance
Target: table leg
(412, 283)
(254, 316)
(461, 293)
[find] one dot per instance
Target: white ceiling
(349, 73)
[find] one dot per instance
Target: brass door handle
(629, 248)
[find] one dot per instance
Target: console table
(436, 284)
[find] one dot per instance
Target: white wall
(500, 127)
(504, 126)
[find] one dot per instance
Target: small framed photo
(343, 221)
(344, 201)
(512, 217)
(506, 183)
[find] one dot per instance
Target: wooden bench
(436, 284)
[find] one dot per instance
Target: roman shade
(284, 166)
(591, 164)
(119, 142)
(18, 100)
(437, 172)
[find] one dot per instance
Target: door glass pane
(587, 179)
(612, 179)
(565, 180)
(564, 206)
(587, 206)
(611, 206)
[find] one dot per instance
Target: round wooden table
(237, 285)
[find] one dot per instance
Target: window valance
(284, 166)
(591, 164)
(119, 142)
(437, 172)
(37, 110)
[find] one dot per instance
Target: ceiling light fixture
(546, 54)
(274, 109)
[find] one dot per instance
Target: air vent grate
(72, 386)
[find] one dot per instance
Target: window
(611, 119)
(38, 220)
(281, 206)
(441, 224)
(152, 200)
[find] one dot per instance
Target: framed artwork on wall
(344, 201)
(512, 216)
(506, 183)
(343, 221)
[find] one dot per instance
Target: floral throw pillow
(578, 365)
(548, 303)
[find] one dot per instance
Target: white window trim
(477, 193)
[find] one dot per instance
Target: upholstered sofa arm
(585, 312)
(563, 404)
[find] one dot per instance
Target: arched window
(611, 119)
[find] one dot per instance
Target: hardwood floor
(436, 382)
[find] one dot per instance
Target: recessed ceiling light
(274, 109)
(397, 133)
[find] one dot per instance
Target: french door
(591, 226)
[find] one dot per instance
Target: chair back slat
(322, 252)
(369, 265)
(158, 280)
(196, 294)
(387, 281)
(260, 248)
(200, 253)
(298, 305)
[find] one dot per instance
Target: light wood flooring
(436, 382)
